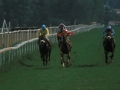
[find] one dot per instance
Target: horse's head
(42, 41)
(109, 37)
(64, 36)
(61, 27)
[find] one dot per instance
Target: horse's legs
(112, 55)
(46, 59)
(106, 57)
(41, 56)
(49, 54)
(62, 59)
(68, 59)
(43, 60)
(40, 53)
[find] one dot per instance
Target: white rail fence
(30, 44)
(9, 39)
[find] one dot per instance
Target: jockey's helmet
(43, 26)
(109, 27)
(61, 25)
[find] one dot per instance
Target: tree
(2, 13)
(107, 15)
(37, 12)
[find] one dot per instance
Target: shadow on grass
(91, 65)
(23, 64)
(42, 68)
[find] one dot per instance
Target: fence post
(2, 40)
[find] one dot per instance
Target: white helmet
(109, 27)
(61, 25)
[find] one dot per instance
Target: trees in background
(113, 3)
(52, 13)
(109, 12)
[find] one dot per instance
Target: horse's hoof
(63, 65)
(111, 61)
(111, 57)
(107, 62)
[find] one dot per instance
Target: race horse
(109, 47)
(45, 50)
(65, 48)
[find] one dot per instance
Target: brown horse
(65, 49)
(45, 50)
(109, 46)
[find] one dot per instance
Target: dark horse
(45, 50)
(109, 46)
(65, 49)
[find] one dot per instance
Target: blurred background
(27, 13)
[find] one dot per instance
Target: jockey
(107, 30)
(68, 34)
(45, 32)
(61, 27)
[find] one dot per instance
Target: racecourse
(87, 72)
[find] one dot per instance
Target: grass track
(88, 70)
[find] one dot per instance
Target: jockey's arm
(113, 32)
(65, 31)
(70, 33)
(47, 32)
(59, 35)
(103, 32)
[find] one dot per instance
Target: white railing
(10, 53)
(11, 38)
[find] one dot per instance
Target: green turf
(87, 72)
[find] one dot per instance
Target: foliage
(113, 3)
(36, 12)
(109, 12)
